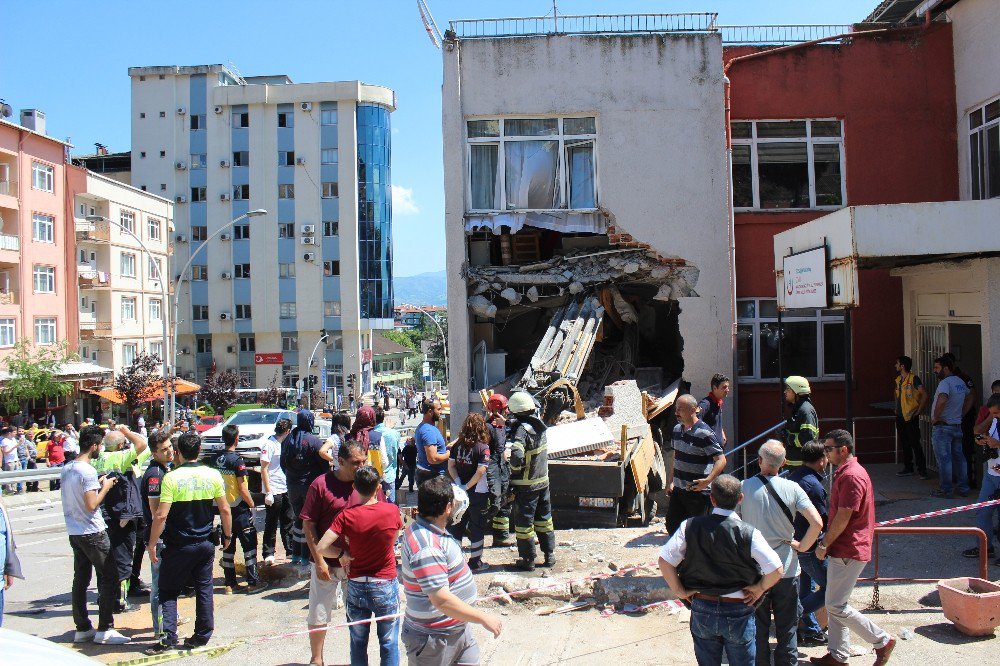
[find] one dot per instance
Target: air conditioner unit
(308, 240)
(219, 110)
(185, 351)
(225, 316)
(181, 199)
(306, 106)
(180, 166)
(308, 228)
(225, 196)
(309, 256)
(182, 238)
(181, 110)
(226, 275)
(226, 237)
(231, 349)
(301, 161)
(224, 164)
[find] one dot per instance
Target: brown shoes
(827, 660)
(882, 653)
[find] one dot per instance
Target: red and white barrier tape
(941, 512)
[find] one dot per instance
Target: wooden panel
(642, 461)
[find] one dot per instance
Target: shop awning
(182, 387)
(73, 371)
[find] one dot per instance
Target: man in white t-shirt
(8, 449)
(987, 436)
(278, 506)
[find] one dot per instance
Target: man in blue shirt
(432, 451)
(390, 439)
(809, 476)
(947, 408)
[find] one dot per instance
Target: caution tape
(209, 651)
(940, 512)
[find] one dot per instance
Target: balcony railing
(778, 35)
(93, 231)
(580, 25)
(8, 187)
(99, 329)
(8, 298)
(91, 279)
(10, 242)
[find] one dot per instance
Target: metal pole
(309, 369)
(781, 369)
(848, 374)
(444, 339)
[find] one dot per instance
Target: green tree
(219, 390)
(33, 371)
(138, 383)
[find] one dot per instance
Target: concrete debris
(624, 308)
(533, 294)
(639, 590)
(527, 588)
(512, 296)
(625, 401)
(575, 288)
(482, 307)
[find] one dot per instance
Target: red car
(208, 422)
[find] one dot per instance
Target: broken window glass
(483, 176)
(531, 127)
(580, 162)
(783, 169)
(826, 168)
(531, 169)
(742, 177)
(579, 126)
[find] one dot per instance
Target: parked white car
(256, 425)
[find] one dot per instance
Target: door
(930, 344)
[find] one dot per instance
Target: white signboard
(805, 279)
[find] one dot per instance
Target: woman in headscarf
(304, 457)
(370, 440)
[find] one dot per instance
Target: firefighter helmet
(799, 385)
(496, 403)
(521, 403)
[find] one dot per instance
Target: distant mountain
(423, 289)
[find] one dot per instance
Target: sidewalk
(29, 499)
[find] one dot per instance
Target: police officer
(498, 472)
(529, 468)
(802, 425)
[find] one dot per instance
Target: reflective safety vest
(908, 395)
(529, 459)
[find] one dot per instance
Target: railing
(93, 231)
(578, 25)
(778, 35)
(8, 187)
(8, 298)
(10, 242)
(30, 475)
(100, 329)
(745, 444)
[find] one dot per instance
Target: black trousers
(533, 515)
(123, 540)
(969, 448)
(685, 504)
(909, 444)
(182, 565)
(140, 549)
(245, 532)
(498, 480)
(782, 603)
(406, 472)
(278, 514)
(93, 552)
(297, 500)
(423, 475)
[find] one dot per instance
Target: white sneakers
(84, 636)
(111, 637)
(269, 561)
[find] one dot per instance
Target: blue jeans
(390, 491)
(984, 516)
(947, 441)
(813, 571)
(373, 599)
(718, 625)
(154, 591)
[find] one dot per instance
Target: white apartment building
(122, 300)
(315, 156)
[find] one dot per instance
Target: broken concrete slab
(527, 588)
(639, 590)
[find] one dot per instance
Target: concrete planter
(975, 613)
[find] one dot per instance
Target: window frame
(43, 272)
(158, 355)
(199, 161)
(809, 140)
(332, 305)
(241, 192)
(287, 310)
(43, 177)
(199, 309)
(122, 257)
(286, 229)
(563, 173)
(241, 271)
(199, 233)
(198, 122)
(247, 343)
(128, 305)
(286, 191)
(241, 158)
(240, 119)
(155, 309)
(42, 222)
(243, 311)
(979, 175)
(199, 193)
(153, 228)
(335, 227)
(323, 156)
(241, 231)
(54, 328)
(199, 272)
(8, 332)
(289, 343)
(286, 158)
(332, 185)
(325, 116)
(288, 268)
(127, 219)
(334, 268)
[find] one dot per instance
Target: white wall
(660, 153)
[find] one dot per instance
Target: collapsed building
(587, 225)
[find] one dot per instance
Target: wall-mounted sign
(269, 359)
(366, 355)
(804, 281)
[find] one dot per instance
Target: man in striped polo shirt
(439, 587)
(698, 459)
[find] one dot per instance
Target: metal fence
(31, 475)
(778, 35)
(579, 24)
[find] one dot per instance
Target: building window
(163, 153)
(153, 228)
(331, 268)
(984, 150)
(241, 119)
(248, 343)
(289, 343)
(330, 191)
(242, 271)
(788, 164)
(199, 194)
(335, 342)
(127, 260)
(8, 333)
(532, 163)
(328, 156)
(154, 268)
(198, 161)
(156, 350)
(127, 219)
(45, 331)
(331, 308)
(241, 192)
(199, 272)
(286, 230)
(286, 158)
(243, 311)
(289, 376)
(286, 191)
(286, 270)
(43, 228)
(286, 119)
(155, 309)
(129, 351)
(328, 117)
(204, 345)
(331, 228)
(128, 308)
(199, 233)
(811, 341)
(241, 158)
(42, 177)
(241, 232)
(45, 279)
(200, 312)
(197, 122)
(286, 310)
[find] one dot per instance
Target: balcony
(8, 298)
(93, 232)
(95, 330)
(12, 244)
(8, 188)
(91, 279)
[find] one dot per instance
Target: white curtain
(531, 174)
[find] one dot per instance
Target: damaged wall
(660, 152)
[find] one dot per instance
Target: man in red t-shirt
(327, 496)
(370, 530)
(848, 544)
(55, 455)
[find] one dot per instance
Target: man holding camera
(988, 437)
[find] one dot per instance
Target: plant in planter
(972, 604)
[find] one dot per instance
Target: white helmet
(521, 403)
(461, 502)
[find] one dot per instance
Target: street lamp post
(322, 338)
(177, 282)
(163, 296)
(444, 338)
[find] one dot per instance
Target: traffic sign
(269, 359)
(322, 380)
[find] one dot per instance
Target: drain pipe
(734, 400)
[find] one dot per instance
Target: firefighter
(498, 472)
(802, 425)
(529, 481)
